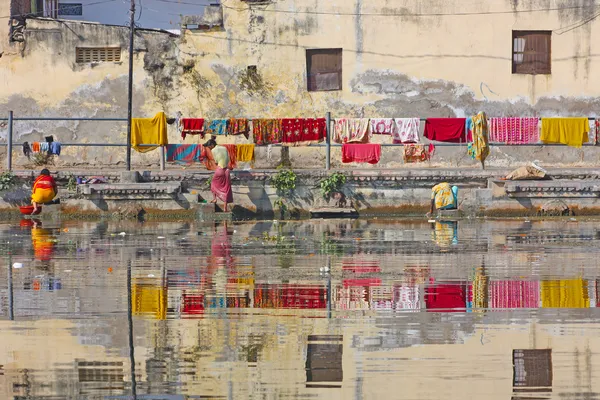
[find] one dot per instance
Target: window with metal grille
(531, 52)
(324, 69)
(92, 371)
(532, 368)
(98, 54)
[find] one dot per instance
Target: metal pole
(329, 286)
(9, 140)
(130, 92)
(161, 150)
(11, 309)
(328, 142)
(130, 325)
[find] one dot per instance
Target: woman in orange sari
(44, 190)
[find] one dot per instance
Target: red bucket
(28, 210)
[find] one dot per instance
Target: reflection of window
(531, 52)
(90, 371)
(532, 369)
(107, 376)
(324, 361)
(324, 69)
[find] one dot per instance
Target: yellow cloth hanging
(245, 152)
(570, 131)
(565, 293)
(149, 131)
(481, 144)
(149, 299)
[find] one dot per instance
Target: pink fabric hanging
(514, 294)
(514, 130)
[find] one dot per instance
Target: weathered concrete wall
(431, 59)
(385, 192)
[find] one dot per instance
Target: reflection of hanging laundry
(149, 298)
(445, 298)
(565, 293)
(479, 291)
(514, 294)
(406, 297)
(290, 296)
(193, 304)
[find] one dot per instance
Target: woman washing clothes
(443, 197)
(44, 190)
(221, 181)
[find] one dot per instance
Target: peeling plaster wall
(432, 65)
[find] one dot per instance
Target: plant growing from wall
(72, 183)
(42, 158)
(7, 180)
(332, 184)
(285, 184)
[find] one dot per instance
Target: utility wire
(383, 14)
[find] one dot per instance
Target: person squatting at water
(443, 197)
(44, 190)
(220, 185)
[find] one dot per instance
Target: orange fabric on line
(35, 147)
(232, 151)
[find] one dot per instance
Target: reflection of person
(443, 197)
(221, 181)
(42, 241)
(221, 244)
(445, 233)
(44, 190)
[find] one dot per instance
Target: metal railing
(328, 143)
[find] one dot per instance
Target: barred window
(97, 54)
(532, 368)
(324, 69)
(531, 52)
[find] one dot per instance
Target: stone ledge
(553, 188)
